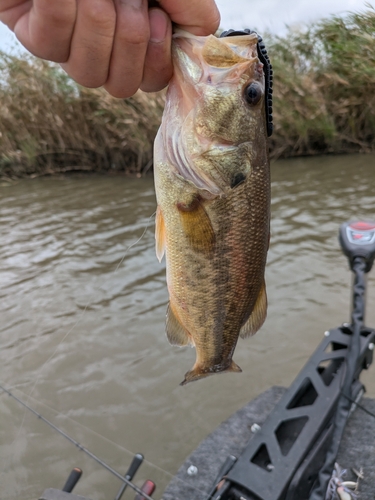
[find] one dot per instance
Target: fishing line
(117, 445)
(81, 447)
(358, 404)
(29, 395)
(76, 443)
(136, 243)
(39, 372)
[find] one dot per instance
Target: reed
(324, 102)
(50, 124)
(324, 97)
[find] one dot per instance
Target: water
(82, 307)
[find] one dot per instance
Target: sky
(274, 15)
(270, 15)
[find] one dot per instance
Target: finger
(12, 10)
(129, 48)
(199, 17)
(92, 40)
(158, 68)
(45, 28)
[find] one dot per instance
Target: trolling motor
(357, 239)
(292, 456)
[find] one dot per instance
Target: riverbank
(324, 103)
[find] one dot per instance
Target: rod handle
(72, 480)
(130, 473)
(148, 488)
(134, 466)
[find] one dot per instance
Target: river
(82, 309)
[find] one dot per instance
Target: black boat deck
(230, 438)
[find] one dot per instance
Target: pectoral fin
(257, 316)
(176, 333)
(197, 225)
(159, 234)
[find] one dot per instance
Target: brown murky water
(82, 307)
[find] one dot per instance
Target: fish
(212, 183)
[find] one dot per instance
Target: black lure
(267, 68)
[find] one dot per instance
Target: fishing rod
(292, 456)
(75, 475)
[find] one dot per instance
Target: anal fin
(176, 333)
(258, 315)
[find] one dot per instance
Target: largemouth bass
(213, 192)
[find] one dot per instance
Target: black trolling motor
(292, 456)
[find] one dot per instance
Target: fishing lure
(339, 489)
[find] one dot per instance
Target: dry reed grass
(324, 96)
(49, 124)
(324, 102)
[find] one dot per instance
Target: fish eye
(253, 93)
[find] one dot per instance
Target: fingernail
(158, 25)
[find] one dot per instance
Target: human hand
(122, 45)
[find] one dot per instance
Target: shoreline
(81, 171)
(323, 103)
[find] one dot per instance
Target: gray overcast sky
(272, 15)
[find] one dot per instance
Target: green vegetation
(324, 102)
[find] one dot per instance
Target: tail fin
(197, 372)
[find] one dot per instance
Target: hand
(122, 45)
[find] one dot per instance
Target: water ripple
(62, 242)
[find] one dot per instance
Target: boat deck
(230, 438)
